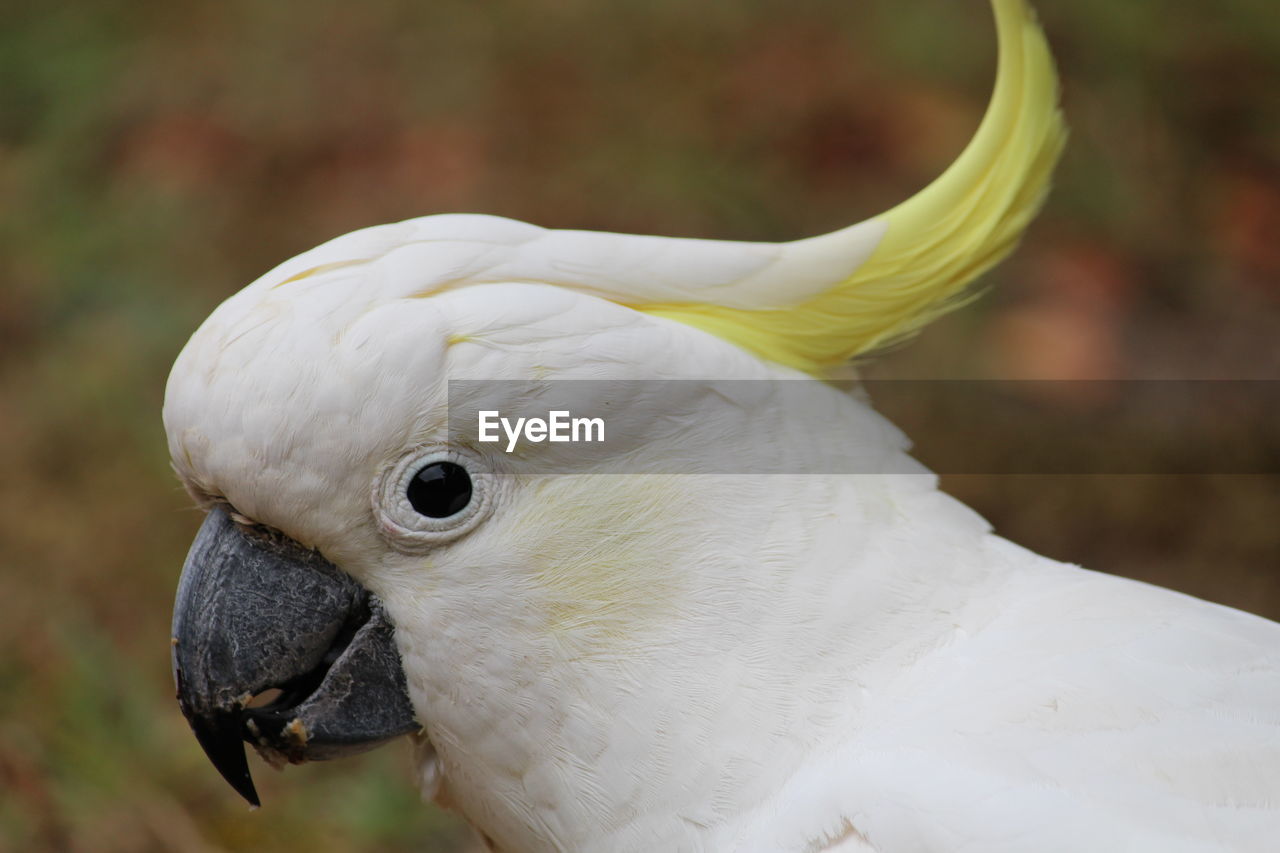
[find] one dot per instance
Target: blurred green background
(155, 157)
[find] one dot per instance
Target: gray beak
(257, 611)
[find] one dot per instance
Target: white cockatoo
(640, 649)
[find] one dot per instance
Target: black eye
(440, 490)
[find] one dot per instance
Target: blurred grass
(155, 157)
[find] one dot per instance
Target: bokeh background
(157, 156)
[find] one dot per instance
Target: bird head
(369, 556)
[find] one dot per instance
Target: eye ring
(405, 525)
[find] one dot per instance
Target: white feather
(718, 662)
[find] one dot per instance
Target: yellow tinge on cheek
(605, 553)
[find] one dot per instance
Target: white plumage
(612, 661)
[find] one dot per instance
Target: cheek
(608, 558)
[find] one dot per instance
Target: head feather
(933, 245)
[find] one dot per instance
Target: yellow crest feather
(937, 242)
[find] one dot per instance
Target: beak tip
(219, 736)
(252, 798)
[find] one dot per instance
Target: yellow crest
(934, 244)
